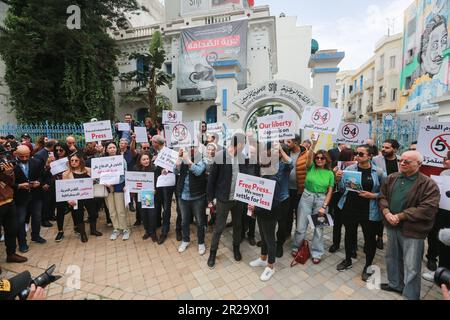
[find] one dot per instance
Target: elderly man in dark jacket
(409, 201)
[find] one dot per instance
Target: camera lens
(442, 276)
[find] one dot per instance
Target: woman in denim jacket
(361, 208)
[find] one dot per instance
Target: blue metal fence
(405, 132)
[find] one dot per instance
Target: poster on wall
(434, 142)
(201, 47)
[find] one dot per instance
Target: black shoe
(386, 287)
(162, 238)
(237, 253)
(24, 248)
(137, 223)
(132, 208)
(259, 244)
(39, 240)
(365, 275)
(431, 265)
(46, 224)
(212, 259)
(59, 236)
(279, 252)
(52, 218)
(380, 245)
(229, 224)
(252, 241)
(179, 236)
(83, 237)
(94, 231)
(344, 265)
(333, 249)
(354, 254)
(146, 236)
(154, 238)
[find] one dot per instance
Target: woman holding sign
(361, 208)
(316, 197)
(78, 170)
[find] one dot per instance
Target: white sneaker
(114, 235)
(126, 235)
(201, 249)
(258, 263)
(27, 227)
(267, 274)
(429, 276)
(2, 238)
(183, 246)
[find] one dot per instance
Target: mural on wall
(425, 72)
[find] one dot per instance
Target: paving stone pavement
(143, 270)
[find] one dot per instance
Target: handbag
(100, 191)
(302, 254)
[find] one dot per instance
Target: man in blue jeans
(28, 196)
(409, 201)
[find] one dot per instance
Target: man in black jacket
(28, 196)
(221, 186)
(334, 154)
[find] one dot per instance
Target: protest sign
(147, 199)
(172, 117)
(59, 166)
(166, 159)
(166, 180)
(141, 134)
(352, 180)
(107, 165)
(321, 119)
(342, 165)
(123, 126)
(74, 189)
(108, 179)
(255, 191)
(183, 134)
(315, 221)
(434, 142)
(443, 183)
(276, 127)
(98, 131)
(216, 129)
(137, 181)
(352, 133)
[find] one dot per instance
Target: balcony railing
(368, 84)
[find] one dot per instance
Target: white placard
(141, 134)
(59, 166)
(443, 183)
(107, 165)
(172, 117)
(137, 181)
(123, 126)
(182, 135)
(108, 179)
(254, 190)
(434, 142)
(352, 133)
(321, 119)
(126, 197)
(97, 131)
(166, 159)
(167, 180)
(217, 128)
(276, 127)
(320, 222)
(74, 189)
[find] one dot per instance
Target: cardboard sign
(108, 166)
(321, 119)
(172, 117)
(59, 166)
(166, 180)
(182, 135)
(254, 190)
(352, 133)
(137, 181)
(123, 126)
(434, 142)
(141, 134)
(97, 131)
(276, 127)
(74, 189)
(443, 183)
(166, 159)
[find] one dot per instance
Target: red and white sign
(276, 127)
(434, 142)
(170, 117)
(321, 119)
(137, 181)
(107, 166)
(182, 135)
(254, 190)
(352, 133)
(74, 189)
(97, 131)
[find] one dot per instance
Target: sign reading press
(97, 131)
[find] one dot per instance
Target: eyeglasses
(59, 150)
(145, 148)
(408, 162)
(320, 158)
(74, 160)
(361, 154)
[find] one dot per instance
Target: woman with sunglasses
(361, 208)
(315, 199)
(115, 200)
(78, 170)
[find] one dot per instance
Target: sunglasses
(59, 150)
(320, 158)
(361, 154)
(145, 148)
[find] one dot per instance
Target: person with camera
(409, 202)
(361, 208)
(28, 196)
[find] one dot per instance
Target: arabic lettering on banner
(166, 159)
(107, 165)
(59, 166)
(254, 190)
(434, 142)
(98, 131)
(276, 127)
(352, 133)
(137, 181)
(74, 189)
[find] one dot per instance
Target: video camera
(41, 281)
(442, 276)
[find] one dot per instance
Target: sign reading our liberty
(434, 142)
(276, 127)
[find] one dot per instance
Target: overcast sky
(353, 26)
